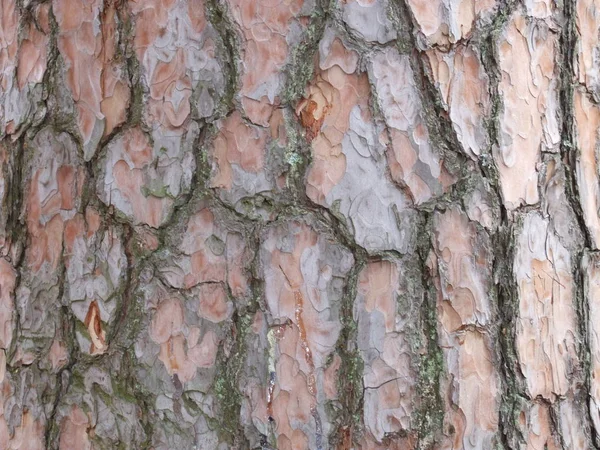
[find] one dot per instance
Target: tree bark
(320, 224)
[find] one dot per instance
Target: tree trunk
(346, 224)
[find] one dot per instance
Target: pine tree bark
(320, 224)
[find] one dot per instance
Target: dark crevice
(570, 155)
(17, 232)
(218, 16)
(125, 307)
(503, 241)
(63, 377)
(299, 71)
(348, 417)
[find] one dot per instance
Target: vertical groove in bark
(350, 371)
(431, 365)
(504, 286)
(570, 155)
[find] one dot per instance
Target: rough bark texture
(299, 224)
